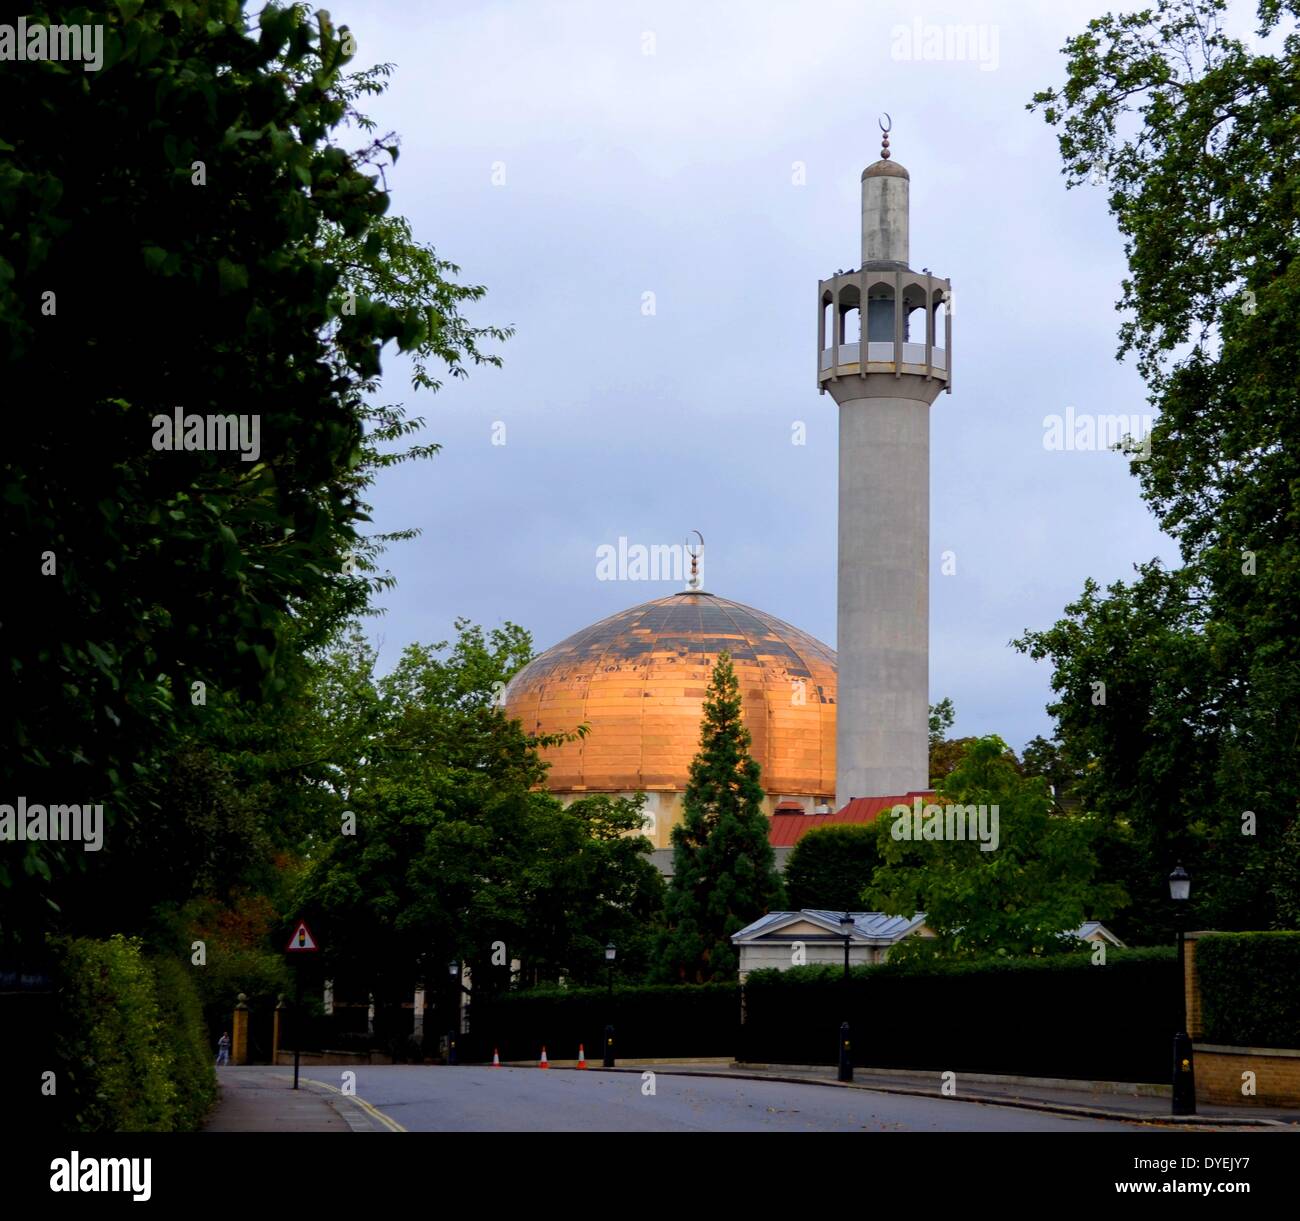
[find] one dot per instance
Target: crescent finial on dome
(694, 583)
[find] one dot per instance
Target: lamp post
(846, 1059)
(611, 952)
(453, 970)
(1184, 1095)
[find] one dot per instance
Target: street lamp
(1184, 1095)
(453, 971)
(611, 952)
(846, 1059)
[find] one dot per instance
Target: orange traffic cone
(582, 1056)
(496, 1059)
(543, 1064)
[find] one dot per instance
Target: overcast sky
(574, 157)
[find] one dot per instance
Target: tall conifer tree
(724, 870)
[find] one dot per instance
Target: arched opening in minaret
(850, 326)
(914, 315)
(880, 315)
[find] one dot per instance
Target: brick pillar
(1192, 985)
(239, 1033)
(276, 1029)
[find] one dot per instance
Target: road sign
(302, 940)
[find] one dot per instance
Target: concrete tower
(880, 357)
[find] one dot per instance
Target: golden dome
(638, 680)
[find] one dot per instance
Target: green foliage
(241, 952)
(830, 867)
(456, 849)
(185, 1043)
(942, 716)
(1248, 988)
(178, 567)
(1068, 1017)
(946, 753)
(1194, 132)
(130, 1048)
(724, 873)
(1038, 883)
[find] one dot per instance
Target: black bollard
(846, 1059)
(1184, 1076)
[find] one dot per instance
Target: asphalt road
(436, 1099)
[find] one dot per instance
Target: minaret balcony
(906, 327)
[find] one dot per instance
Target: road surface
(471, 1099)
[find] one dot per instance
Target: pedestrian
(223, 1049)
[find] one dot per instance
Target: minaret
(884, 395)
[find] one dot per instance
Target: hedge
(185, 1044)
(1048, 1017)
(1250, 988)
(651, 1021)
(130, 1046)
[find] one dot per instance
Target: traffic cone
(582, 1056)
(496, 1059)
(543, 1064)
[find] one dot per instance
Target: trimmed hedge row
(130, 1045)
(1250, 988)
(1052, 1017)
(651, 1021)
(1049, 1017)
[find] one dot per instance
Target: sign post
(302, 942)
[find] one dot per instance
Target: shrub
(130, 1048)
(1056, 1017)
(1249, 993)
(185, 1043)
(111, 1065)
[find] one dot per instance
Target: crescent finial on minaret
(886, 126)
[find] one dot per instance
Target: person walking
(223, 1049)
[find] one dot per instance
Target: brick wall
(1219, 1077)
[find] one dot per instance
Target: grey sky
(671, 173)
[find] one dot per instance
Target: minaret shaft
(883, 621)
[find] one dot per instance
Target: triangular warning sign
(301, 939)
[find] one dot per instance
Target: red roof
(787, 829)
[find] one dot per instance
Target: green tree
(1043, 758)
(456, 853)
(829, 867)
(1195, 133)
(1040, 880)
(724, 873)
(202, 177)
(942, 716)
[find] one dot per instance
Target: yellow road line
(374, 1112)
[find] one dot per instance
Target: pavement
(1097, 1100)
(259, 1099)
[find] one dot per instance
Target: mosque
(837, 739)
